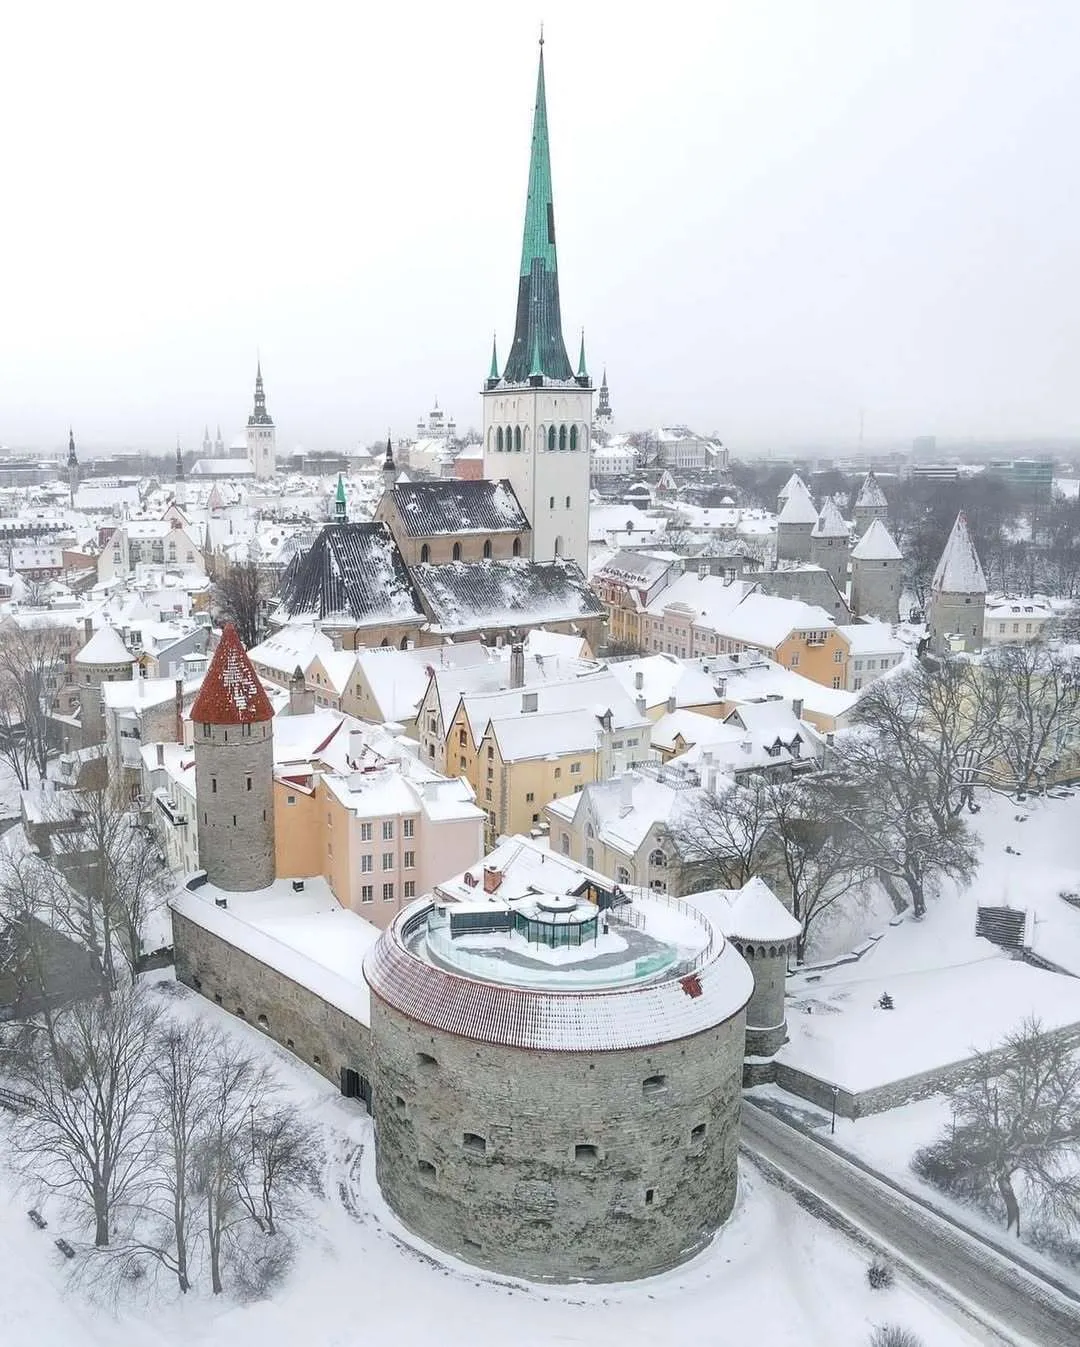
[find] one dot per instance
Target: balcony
(167, 808)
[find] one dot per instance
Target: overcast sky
(771, 214)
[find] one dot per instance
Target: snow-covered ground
(953, 991)
(774, 1276)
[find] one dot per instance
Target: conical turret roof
(830, 522)
(876, 544)
(231, 692)
(799, 508)
(959, 571)
(871, 496)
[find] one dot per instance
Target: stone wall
(793, 542)
(557, 1166)
(958, 615)
(895, 1093)
(324, 1037)
(234, 792)
(875, 589)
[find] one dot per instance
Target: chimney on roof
(626, 790)
(88, 628)
(356, 746)
(639, 680)
(160, 754)
(335, 637)
(672, 704)
(747, 745)
(493, 877)
(721, 687)
(179, 698)
(796, 707)
(517, 665)
(639, 702)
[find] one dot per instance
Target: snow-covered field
(953, 991)
(774, 1276)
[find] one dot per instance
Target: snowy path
(1012, 1305)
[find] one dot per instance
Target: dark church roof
(449, 506)
(473, 595)
(352, 572)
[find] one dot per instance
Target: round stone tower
(556, 1087)
(764, 932)
(233, 723)
(957, 607)
(103, 659)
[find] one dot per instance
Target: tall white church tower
(261, 435)
(538, 413)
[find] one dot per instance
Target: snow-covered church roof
(959, 571)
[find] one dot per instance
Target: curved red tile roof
(231, 693)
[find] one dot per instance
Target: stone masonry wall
(236, 823)
(875, 589)
(957, 614)
(321, 1035)
(793, 542)
(557, 1166)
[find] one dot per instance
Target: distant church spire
(259, 416)
(493, 373)
(389, 468)
(179, 473)
(538, 326)
(72, 467)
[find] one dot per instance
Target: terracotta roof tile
(231, 693)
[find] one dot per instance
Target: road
(1002, 1296)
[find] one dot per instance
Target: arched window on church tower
(517, 439)
(562, 437)
(551, 438)
(517, 547)
(487, 549)
(425, 554)
(457, 552)
(498, 440)
(573, 439)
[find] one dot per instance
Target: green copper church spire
(539, 321)
(494, 374)
(582, 372)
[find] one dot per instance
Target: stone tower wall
(833, 559)
(479, 1148)
(236, 821)
(958, 615)
(866, 514)
(875, 589)
(793, 542)
(91, 714)
(766, 1018)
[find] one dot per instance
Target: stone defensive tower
(829, 541)
(103, 659)
(875, 574)
(765, 934)
(795, 523)
(957, 605)
(870, 504)
(233, 723)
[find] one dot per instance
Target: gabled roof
(959, 571)
(876, 544)
(104, 647)
(799, 508)
(453, 506)
(352, 572)
(231, 693)
(830, 522)
(871, 496)
(464, 595)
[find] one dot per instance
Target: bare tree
(1034, 692)
(1016, 1115)
(727, 837)
(819, 852)
(110, 877)
(87, 1132)
(240, 593)
(890, 809)
(286, 1163)
(33, 660)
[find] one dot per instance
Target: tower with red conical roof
(233, 723)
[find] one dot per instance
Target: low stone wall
(894, 1094)
(319, 1034)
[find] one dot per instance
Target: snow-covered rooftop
(959, 571)
(876, 544)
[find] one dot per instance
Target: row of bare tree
(169, 1141)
